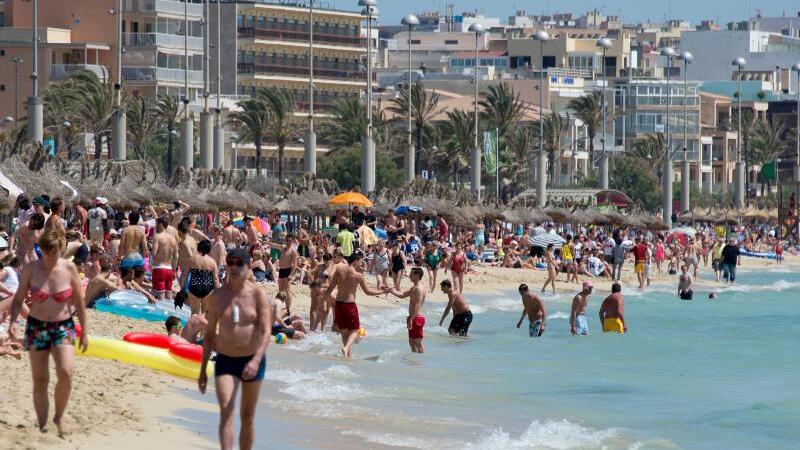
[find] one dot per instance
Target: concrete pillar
(797, 172)
(310, 155)
(368, 164)
(604, 171)
(475, 172)
(120, 135)
(206, 140)
(409, 163)
(685, 185)
(740, 184)
(667, 205)
(187, 143)
(541, 180)
(219, 147)
(35, 120)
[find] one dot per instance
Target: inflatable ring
(134, 305)
(141, 355)
(192, 352)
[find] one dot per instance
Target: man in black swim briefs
(462, 316)
(242, 311)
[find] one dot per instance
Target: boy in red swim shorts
(415, 320)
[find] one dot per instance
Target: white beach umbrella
(545, 239)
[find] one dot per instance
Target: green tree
(345, 167)
(254, 124)
(142, 124)
(522, 149)
(93, 107)
(424, 107)
(648, 152)
(555, 125)
(501, 109)
(641, 186)
(349, 124)
(166, 112)
(458, 138)
(749, 124)
(589, 108)
(282, 126)
(767, 143)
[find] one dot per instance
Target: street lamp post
(120, 132)
(206, 117)
(35, 108)
(687, 58)
(475, 179)
(17, 61)
(739, 62)
(541, 166)
(797, 130)
(310, 139)
(604, 43)
(410, 21)
(669, 53)
(370, 10)
(187, 125)
(219, 129)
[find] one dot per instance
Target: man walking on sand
(242, 311)
(415, 322)
(346, 279)
(640, 258)
(612, 312)
(287, 264)
(577, 317)
(533, 306)
(462, 315)
(165, 260)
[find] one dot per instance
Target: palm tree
(423, 108)
(281, 104)
(166, 112)
(349, 123)
(93, 107)
(501, 109)
(648, 152)
(142, 124)
(458, 131)
(520, 143)
(768, 143)
(750, 123)
(58, 99)
(254, 124)
(589, 108)
(555, 125)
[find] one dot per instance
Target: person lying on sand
(290, 325)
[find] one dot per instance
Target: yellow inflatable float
(141, 355)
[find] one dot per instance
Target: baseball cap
(38, 201)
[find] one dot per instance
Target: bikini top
(39, 295)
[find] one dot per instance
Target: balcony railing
(63, 71)
(161, 6)
(149, 73)
(274, 68)
(300, 33)
(160, 40)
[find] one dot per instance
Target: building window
(2, 87)
(451, 42)
(415, 42)
(2, 52)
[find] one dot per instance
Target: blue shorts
(581, 325)
(535, 329)
(729, 272)
(131, 263)
(234, 366)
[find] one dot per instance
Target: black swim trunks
(459, 326)
(284, 272)
(234, 365)
(686, 295)
(280, 328)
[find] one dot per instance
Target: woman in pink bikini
(54, 290)
(459, 265)
(659, 254)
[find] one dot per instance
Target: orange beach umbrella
(350, 198)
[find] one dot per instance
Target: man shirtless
(218, 250)
(187, 246)
(231, 236)
(346, 280)
(415, 322)
(133, 240)
(176, 215)
(612, 312)
(533, 307)
(462, 316)
(238, 330)
(250, 233)
(577, 317)
(165, 260)
(287, 264)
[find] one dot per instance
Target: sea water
(695, 374)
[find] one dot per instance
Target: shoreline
(129, 407)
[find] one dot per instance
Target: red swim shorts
(345, 316)
(162, 279)
(417, 325)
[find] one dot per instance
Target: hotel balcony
(170, 7)
(160, 40)
(160, 75)
(63, 71)
(299, 33)
(299, 68)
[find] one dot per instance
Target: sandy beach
(129, 407)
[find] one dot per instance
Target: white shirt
(96, 217)
(12, 279)
(608, 246)
(595, 265)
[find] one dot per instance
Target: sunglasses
(235, 262)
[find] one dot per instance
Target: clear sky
(721, 11)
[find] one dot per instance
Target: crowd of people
(59, 259)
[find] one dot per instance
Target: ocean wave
(400, 440)
(385, 322)
(558, 315)
(326, 384)
(550, 434)
(778, 286)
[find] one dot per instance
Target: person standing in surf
(612, 312)
(578, 324)
(346, 281)
(462, 316)
(533, 306)
(415, 322)
(242, 311)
